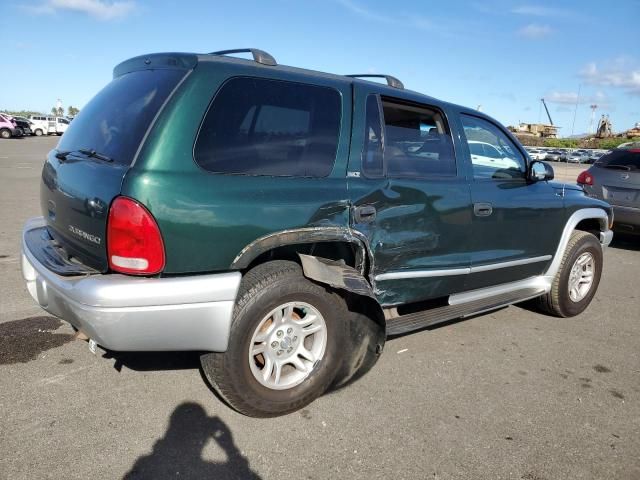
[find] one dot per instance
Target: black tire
(5, 133)
(38, 132)
(263, 289)
(558, 301)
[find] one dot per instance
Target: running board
(414, 321)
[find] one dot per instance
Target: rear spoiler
(157, 61)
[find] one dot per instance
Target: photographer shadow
(179, 453)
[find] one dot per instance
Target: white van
(48, 125)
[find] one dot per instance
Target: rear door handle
(482, 209)
(364, 214)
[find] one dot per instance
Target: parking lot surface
(508, 395)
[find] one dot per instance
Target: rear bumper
(126, 313)
(626, 218)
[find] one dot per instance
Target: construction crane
(547, 110)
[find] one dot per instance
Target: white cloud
(539, 11)
(100, 9)
(619, 73)
(571, 98)
(535, 31)
(412, 20)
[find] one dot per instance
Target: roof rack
(391, 81)
(259, 56)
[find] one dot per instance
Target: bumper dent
(126, 313)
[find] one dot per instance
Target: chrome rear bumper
(126, 313)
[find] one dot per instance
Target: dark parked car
(24, 125)
(285, 221)
(615, 177)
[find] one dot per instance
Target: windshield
(115, 120)
(625, 159)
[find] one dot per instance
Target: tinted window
(115, 120)
(493, 154)
(620, 159)
(268, 127)
(372, 165)
(416, 142)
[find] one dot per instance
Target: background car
(553, 155)
(8, 127)
(24, 125)
(615, 177)
(577, 157)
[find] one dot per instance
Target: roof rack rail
(391, 81)
(259, 56)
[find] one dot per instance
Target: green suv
(284, 222)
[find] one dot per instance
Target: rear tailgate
(78, 187)
(618, 175)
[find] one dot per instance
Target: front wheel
(5, 133)
(285, 345)
(577, 279)
(38, 132)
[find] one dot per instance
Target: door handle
(364, 214)
(482, 209)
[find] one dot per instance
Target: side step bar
(414, 321)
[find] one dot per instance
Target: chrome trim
(539, 282)
(512, 263)
(422, 274)
(447, 272)
(126, 313)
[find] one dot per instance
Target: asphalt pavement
(508, 395)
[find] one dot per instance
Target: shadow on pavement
(179, 453)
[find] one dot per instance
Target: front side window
(417, 142)
(493, 154)
(257, 126)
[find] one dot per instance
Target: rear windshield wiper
(91, 153)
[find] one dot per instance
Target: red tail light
(585, 178)
(134, 243)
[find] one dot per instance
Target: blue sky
(502, 55)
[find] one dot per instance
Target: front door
(409, 198)
(516, 223)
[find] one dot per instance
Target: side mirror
(539, 171)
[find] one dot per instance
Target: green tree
(72, 111)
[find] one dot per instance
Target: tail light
(134, 242)
(585, 178)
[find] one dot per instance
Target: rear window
(620, 159)
(270, 127)
(114, 122)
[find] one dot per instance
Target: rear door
(409, 198)
(77, 189)
(516, 224)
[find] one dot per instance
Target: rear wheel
(5, 133)
(285, 344)
(577, 279)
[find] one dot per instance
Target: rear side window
(114, 122)
(621, 160)
(256, 126)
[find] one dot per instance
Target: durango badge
(87, 236)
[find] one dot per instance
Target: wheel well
(334, 250)
(331, 250)
(590, 225)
